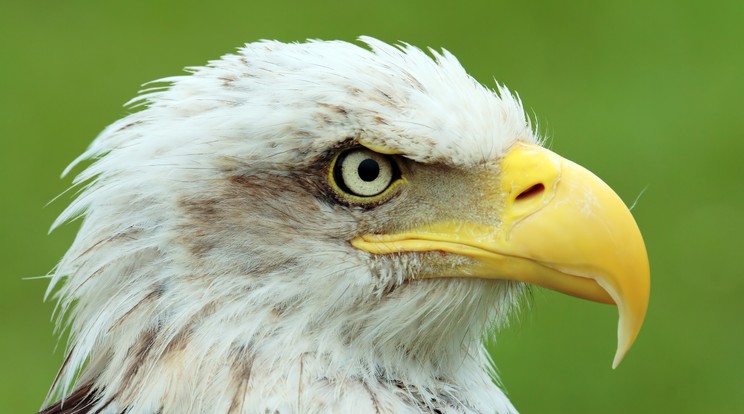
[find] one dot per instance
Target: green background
(647, 94)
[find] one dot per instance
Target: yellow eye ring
(362, 176)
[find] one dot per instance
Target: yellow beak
(560, 227)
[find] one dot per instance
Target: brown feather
(79, 402)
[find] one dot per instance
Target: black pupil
(368, 170)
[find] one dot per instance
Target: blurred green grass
(645, 94)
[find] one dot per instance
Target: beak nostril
(531, 192)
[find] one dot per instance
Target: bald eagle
(322, 227)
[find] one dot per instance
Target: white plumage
(213, 271)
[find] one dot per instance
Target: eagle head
(322, 227)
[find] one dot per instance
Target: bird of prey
(323, 227)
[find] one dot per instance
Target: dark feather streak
(80, 401)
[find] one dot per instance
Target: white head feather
(209, 276)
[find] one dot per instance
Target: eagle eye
(363, 175)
